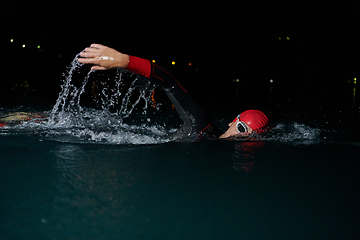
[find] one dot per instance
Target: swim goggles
(241, 127)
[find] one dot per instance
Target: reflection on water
(244, 155)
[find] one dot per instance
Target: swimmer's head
(246, 123)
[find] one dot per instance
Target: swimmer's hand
(103, 58)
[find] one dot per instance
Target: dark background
(299, 46)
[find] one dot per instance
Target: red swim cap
(2, 124)
(256, 119)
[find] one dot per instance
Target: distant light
(354, 80)
(153, 61)
(38, 46)
(237, 80)
(11, 40)
(190, 63)
(271, 81)
(279, 38)
(287, 38)
(173, 62)
(23, 46)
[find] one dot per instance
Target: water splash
(291, 133)
(120, 95)
(69, 97)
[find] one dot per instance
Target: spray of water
(71, 122)
(293, 132)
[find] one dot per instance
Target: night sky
(254, 42)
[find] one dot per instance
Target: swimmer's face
(233, 132)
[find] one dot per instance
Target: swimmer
(195, 119)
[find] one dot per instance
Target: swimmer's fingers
(90, 60)
(97, 46)
(94, 48)
(96, 61)
(89, 57)
(89, 54)
(91, 50)
(97, 67)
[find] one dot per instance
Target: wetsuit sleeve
(190, 112)
(139, 66)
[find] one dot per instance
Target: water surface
(96, 173)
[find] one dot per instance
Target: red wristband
(139, 66)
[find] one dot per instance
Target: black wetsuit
(195, 119)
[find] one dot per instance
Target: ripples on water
(113, 131)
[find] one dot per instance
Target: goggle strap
(237, 118)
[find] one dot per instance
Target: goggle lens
(241, 127)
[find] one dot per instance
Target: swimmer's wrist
(124, 61)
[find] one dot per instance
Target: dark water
(201, 190)
(90, 175)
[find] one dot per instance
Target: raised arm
(195, 119)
